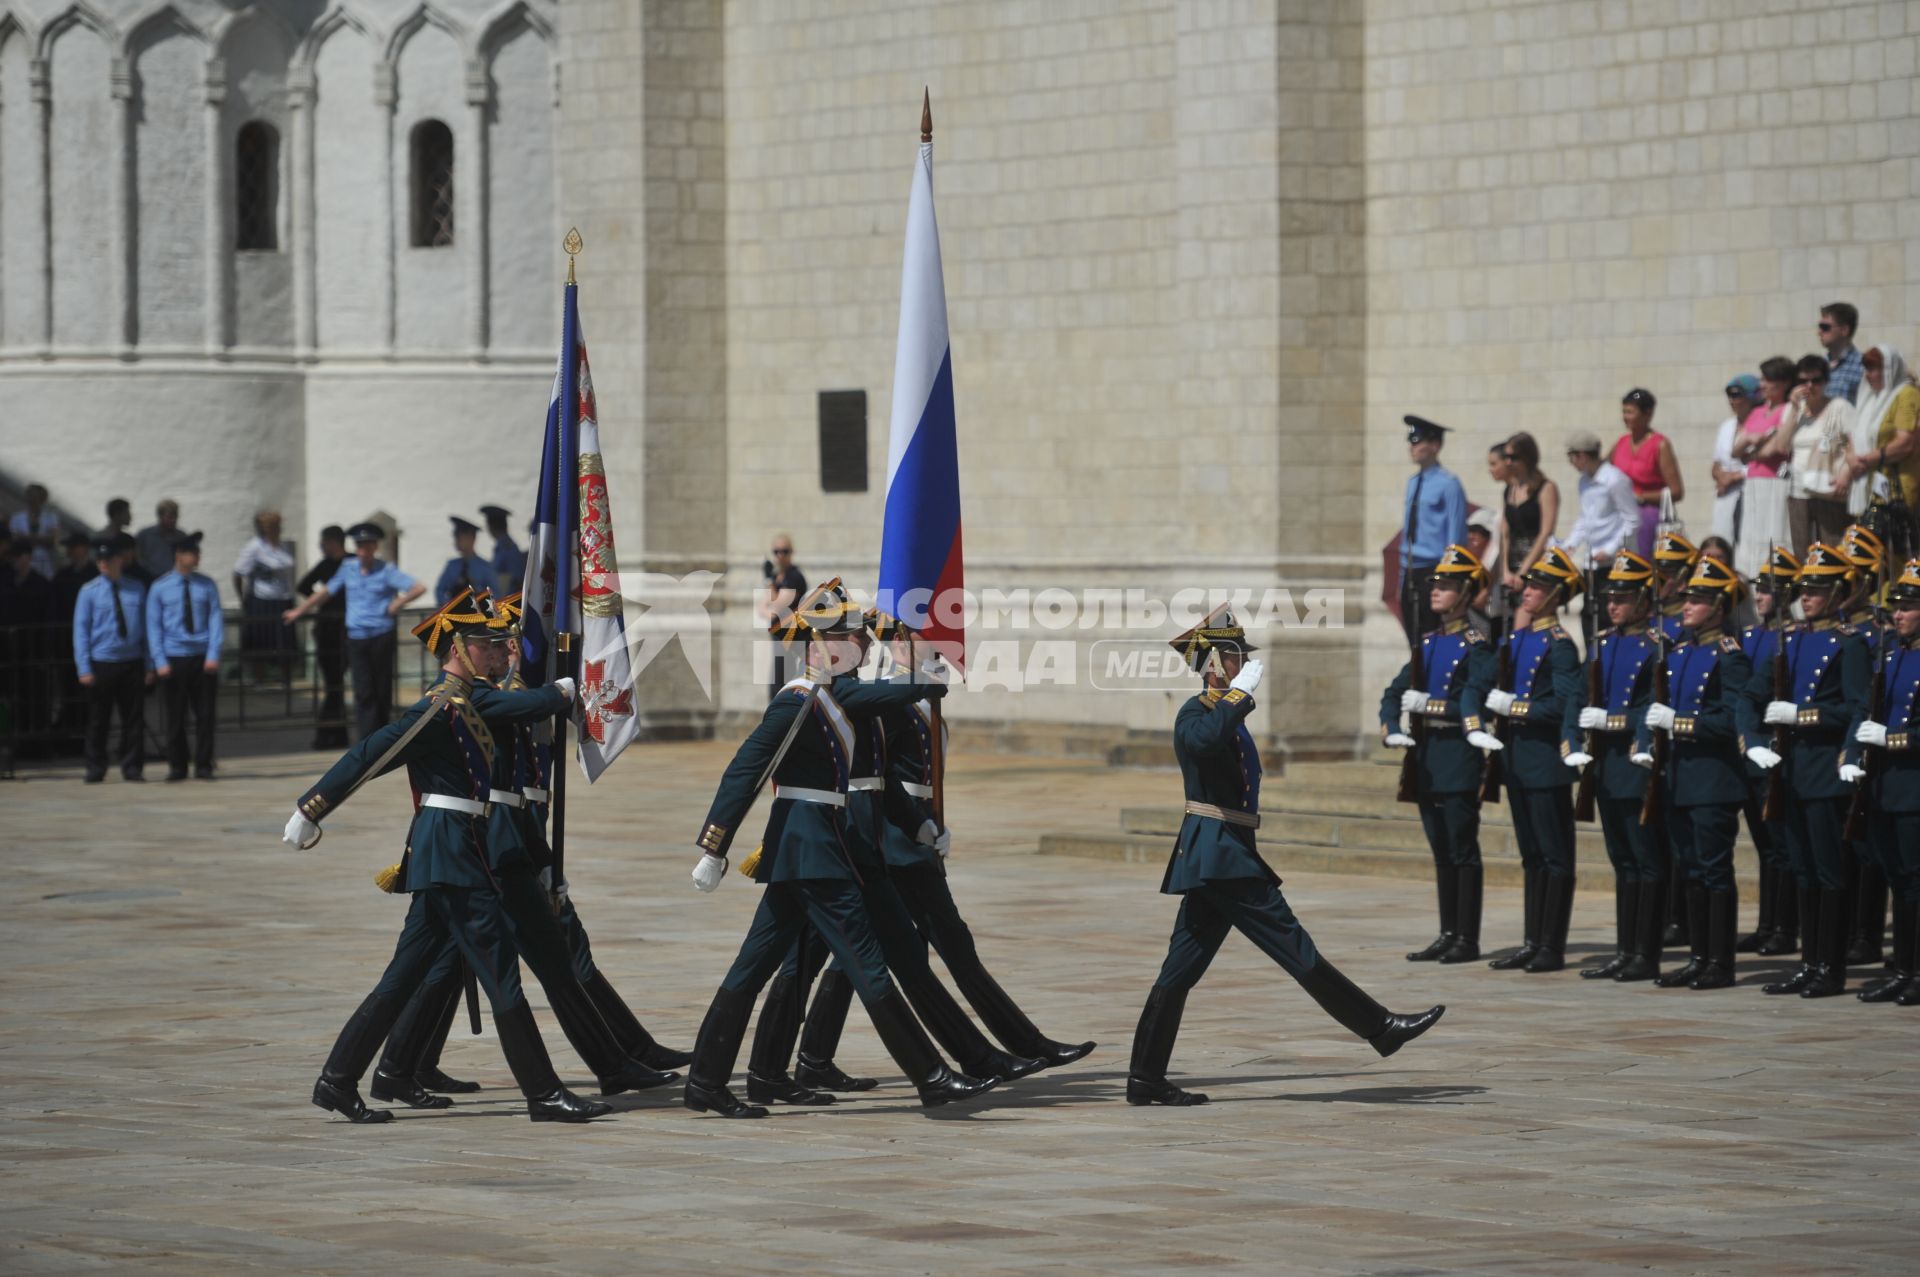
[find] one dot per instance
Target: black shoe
(1864, 953)
(665, 1057)
(1793, 983)
(1672, 936)
(1637, 969)
(1606, 970)
(1402, 1029)
(636, 1077)
(783, 1090)
(405, 1090)
(134, 778)
(1141, 1090)
(203, 773)
(1751, 942)
(94, 778)
(562, 1105)
(1545, 959)
(1054, 1054)
(1462, 950)
(1005, 1066)
(1682, 975)
(719, 1100)
(825, 1075)
(344, 1098)
(946, 1086)
(1889, 989)
(1712, 976)
(174, 778)
(1909, 996)
(1439, 945)
(1826, 982)
(1518, 958)
(1777, 943)
(434, 1080)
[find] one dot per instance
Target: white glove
(301, 832)
(928, 834)
(708, 873)
(1763, 758)
(944, 843)
(933, 669)
(1782, 713)
(1660, 717)
(1399, 740)
(1248, 678)
(1852, 773)
(566, 687)
(1872, 733)
(1640, 760)
(546, 883)
(1412, 701)
(1485, 740)
(1577, 760)
(1593, 716)
(1499, 702)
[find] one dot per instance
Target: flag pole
(937, 733)
(566, 551)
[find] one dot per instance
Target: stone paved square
(174, 977)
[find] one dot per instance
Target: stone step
(1320, 819)
(1288, 856)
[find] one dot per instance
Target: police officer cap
(112, 543)
(367, 532)
(187, 541)
(463, 525)
(495, 511)
(1419, 429)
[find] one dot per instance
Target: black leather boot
(957, 1035)
(547, 1099)
(910, 1048)
(634, 1040)
(1358, 1013)
(1626, 902)
(343, 1097)
(820, 1041)
(434, 1080)
(1556, 915)
(714, 1053)
(1786, 916)
(338, 1086)
(1447, 887)
(405, 1090)
(1675, 933)
(1153, 1048)
(416, 1038)
(1722, 921)
(1005, 1020)
(635, 1076)
(773, 1044)
(1470, 891)
(1532, 906)
(1763, 927)
(1830, 974)
(1869, 930)
(1890, 988)
(1696, 905)
(1649, 909)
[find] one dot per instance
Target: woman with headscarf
(1885, 438)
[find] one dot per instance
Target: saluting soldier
(185, 630)
(1626, 653)
(1894, 799)
(1222, 882)
(1542, 708)
(1777, 930)
(1866, 876)
(804, 745)
(1827, 669)
(1708, 722)
(446, 742)
(1673, 559)
(466, 570)
(1456, 670)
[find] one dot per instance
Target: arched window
(432, 185)
(256, 187)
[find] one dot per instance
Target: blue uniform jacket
(1827, 668)
(168, 637)
(1626, 684)
(1759, 642)
(1220, 766)
(473, 573)
(1896, 786)
(1707, 678)
(1458, 664)
(1543, 724)
(96, 628)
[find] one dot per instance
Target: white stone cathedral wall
(257, 54)
(170, 176)
(524, 240)
(83, 151)
(22, 310)
(431, 282)
(349, 155)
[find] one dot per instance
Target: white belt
(1244, 819)
(448, 801)
(505, 797)
(829, 797)
(916, 789)
(867, 784)
(533, 795)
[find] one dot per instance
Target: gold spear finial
(926, 115)
(573, 244)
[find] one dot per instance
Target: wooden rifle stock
(1775, 805)
(1583, 804)
(1409, 789)
(1490, 787)
(1652, 805)
(1856, 826)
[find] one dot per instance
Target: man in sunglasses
(784, 585)
(1837, 322)
(1820, 424)
(1434, 515)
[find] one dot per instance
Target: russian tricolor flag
(921, 572)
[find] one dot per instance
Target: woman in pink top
(1648, 462)
(1763, 516)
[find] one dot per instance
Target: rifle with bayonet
(1652, 805)
(1409, 790)
(1583, 801)
(1775, 805)
(1870, 760)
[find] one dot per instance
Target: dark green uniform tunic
(1458, 666)
(1705, 780)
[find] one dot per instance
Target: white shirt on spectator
(266, 569)
(1726, 506)
(1609, 515)
(21, 525)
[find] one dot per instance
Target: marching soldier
(1626, 654)
(1866, 877)
(1222, 882)
(1541, 709)
(1673, 559)
(185, 630)
(1778, 929)
(446, 741)
(1827, 670)
(1708, 720)
(1894, 799)
(1448, 763)
(804, 746)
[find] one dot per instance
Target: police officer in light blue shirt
(1433, 515)
(110, 653)
(466, 570)
(509, 560)
(375, 591)
(185, 631)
